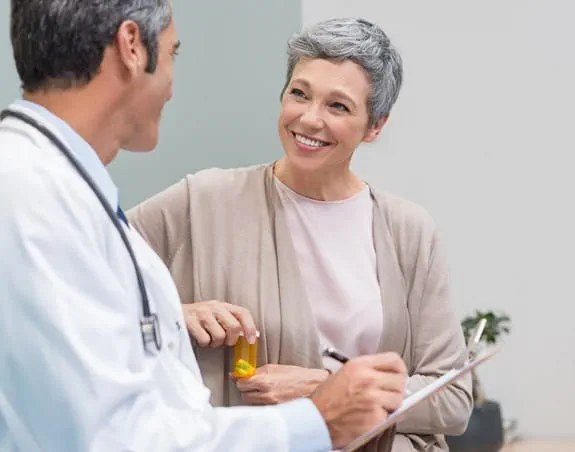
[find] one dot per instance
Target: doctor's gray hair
(61, 43)
(361, 42)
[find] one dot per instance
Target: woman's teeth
(309, 141)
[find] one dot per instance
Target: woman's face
(324, 115)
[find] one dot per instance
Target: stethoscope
(149, 323)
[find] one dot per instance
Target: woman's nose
(312, 118)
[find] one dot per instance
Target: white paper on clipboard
(418, 397)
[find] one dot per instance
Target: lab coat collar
(79, 147)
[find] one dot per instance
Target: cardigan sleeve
(438, 344)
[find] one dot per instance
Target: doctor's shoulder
(38, 184)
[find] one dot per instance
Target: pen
(335, 354)
(342, 358)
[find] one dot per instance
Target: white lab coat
(74, 375)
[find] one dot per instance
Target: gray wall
(226, 96)
(229, 74)
(8, 78)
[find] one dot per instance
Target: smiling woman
(324, 114)
(310, 252)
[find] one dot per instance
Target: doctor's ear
(131, 50)
(373, 131)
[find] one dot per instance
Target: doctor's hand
(360, 395)
(276, 383)
(215, 323)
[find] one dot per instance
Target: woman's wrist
(322, 375)
(318, 376)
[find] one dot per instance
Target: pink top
(333, 241)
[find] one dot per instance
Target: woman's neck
(325, 185)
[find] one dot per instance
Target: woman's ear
(373, 131)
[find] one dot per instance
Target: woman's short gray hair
(360, 41)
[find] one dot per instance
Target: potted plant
(485, 429)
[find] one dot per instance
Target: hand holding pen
(473, 346)
(336, 354)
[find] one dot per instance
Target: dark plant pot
(484, 432)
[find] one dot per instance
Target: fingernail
(252, 338)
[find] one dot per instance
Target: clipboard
(419, 396)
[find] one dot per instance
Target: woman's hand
(215, 323)
(276, 383)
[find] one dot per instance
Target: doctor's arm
(73, 370)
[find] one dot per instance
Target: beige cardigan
(223, 235)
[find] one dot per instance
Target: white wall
(482, 136)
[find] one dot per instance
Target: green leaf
(497, 325)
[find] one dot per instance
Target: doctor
(94, 355)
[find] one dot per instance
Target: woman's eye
(297, 92)
(339, 106)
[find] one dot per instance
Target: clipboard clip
(474, 341)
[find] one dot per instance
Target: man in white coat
(93, 354)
